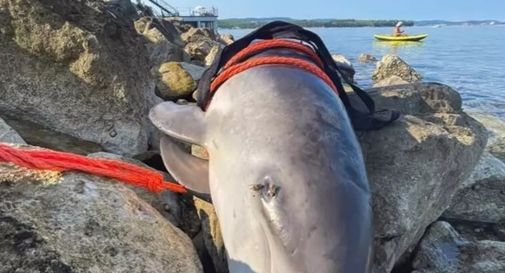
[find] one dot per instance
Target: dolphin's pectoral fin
(184, 122)
(190, 171)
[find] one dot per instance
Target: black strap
(361, 120)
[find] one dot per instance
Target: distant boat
(437, 26)
(405, 38)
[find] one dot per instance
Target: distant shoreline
(248, 23)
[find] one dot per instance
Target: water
(471, 59)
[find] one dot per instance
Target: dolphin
(285, 172)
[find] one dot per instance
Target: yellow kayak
(406, 38)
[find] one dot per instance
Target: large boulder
(496, 129)
(178, 80)
(392, 65)
(444, 250)
(417, 164)
(77, 67)
(482, 197)
(72, 222)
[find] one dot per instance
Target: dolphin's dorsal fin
(190, 171)
(183, 122)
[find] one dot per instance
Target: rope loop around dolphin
(242, 61)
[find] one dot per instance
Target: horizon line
(393, 19)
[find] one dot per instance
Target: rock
(345, 66)
(161, 46)
(496, 129)
(443, 250)
(37, 135)
(146, 28)
(482, 197)
(393, 80)
(392, 65)
(478, 231)
(199, 50)
(366, 58)
(211, 233)
(201, 45)
(79, 68)
(181, 26)
(72, 222)
(197, 34)
(156, 30)
(7, 134)
(214, 51)
(195, 71)
(167, 202)
(226, 38)
(416, 165)
(177, 79)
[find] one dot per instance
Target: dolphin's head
(285, 172)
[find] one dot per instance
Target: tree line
(254, 23)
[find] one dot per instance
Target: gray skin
(285, 172)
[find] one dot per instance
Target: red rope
(236, 64)
(272, 44)
(43, 159)
(288, 61)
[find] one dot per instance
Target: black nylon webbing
(361, 120)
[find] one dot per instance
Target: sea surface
(471, 59)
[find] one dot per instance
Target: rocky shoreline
(81, 76)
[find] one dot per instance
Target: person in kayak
(398, 31)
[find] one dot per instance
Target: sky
(451, 10)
